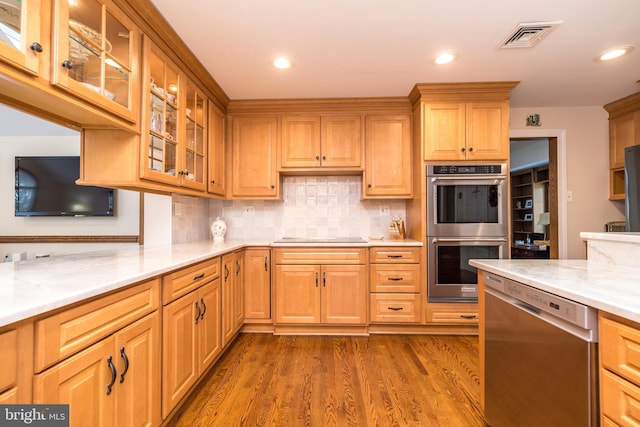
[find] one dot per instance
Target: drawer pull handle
(199, 276)
(468, 316)
(198, 313)
(316, 279)
(226, 272)
(394, 256)
(204, 308)
(396, 279)
(395, 308)
(126, 364)
(237, 267)
(114, 374)
(265, 263)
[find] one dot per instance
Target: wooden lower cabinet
(114, 382)
(331, 294)
(394, 285)
(232, 295)
(191, 341)
(619, 371)
(257, 285)
(16, 354)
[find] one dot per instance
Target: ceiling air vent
(528, 34)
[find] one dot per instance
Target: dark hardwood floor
(381, 380)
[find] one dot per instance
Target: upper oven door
(467, 206)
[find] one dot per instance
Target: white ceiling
(363, 48)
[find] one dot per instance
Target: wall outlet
(569, 196)
(384, 210)
(177, 209)
(248, 211)
(6, 258)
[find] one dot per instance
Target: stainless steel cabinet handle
(395, 308)
(395, 279)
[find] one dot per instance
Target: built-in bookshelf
(529, 200)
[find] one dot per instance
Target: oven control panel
(497, 169)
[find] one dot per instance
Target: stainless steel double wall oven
(467, 213)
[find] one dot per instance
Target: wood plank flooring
(380, 380)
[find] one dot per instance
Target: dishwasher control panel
(566, 309)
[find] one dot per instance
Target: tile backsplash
(311, 206)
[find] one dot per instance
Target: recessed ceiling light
(282, 63)
(445, 58)
(614, 53)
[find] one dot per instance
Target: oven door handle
(469, 239)
(495, 180)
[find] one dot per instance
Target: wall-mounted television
(46, 186)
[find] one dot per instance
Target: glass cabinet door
(195, 113)
(20, 42)
(95, 54)
(163, 96)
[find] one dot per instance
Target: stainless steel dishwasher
(540, 357)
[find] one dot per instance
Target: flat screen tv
(46, 186)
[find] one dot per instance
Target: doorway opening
(534, 209)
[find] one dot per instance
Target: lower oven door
(450, 278)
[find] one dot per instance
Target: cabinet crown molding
(472, 91)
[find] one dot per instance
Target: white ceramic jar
(218, 229)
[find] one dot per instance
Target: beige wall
(586, 157)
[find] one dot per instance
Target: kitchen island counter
(613, 289)
(33, 287)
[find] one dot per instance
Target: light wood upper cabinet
(466, 130)
(388, 172)
(175, 124)
(95, 55)
(321, 141)
(253, 168)
(624, 131)
(22, 45)
(216, 153)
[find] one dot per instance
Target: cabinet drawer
(619, 399)
(183, 281)
(395, 308)
(9, 357)
(394, 278)
(620, 349)
(455, 315)
(69, 331)
(394, 255)
(321, 256)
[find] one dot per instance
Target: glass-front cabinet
(96, 54)
(20, 42)
(174, 151)
(193, 173)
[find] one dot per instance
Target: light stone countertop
(33, 287)
(615, 289)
